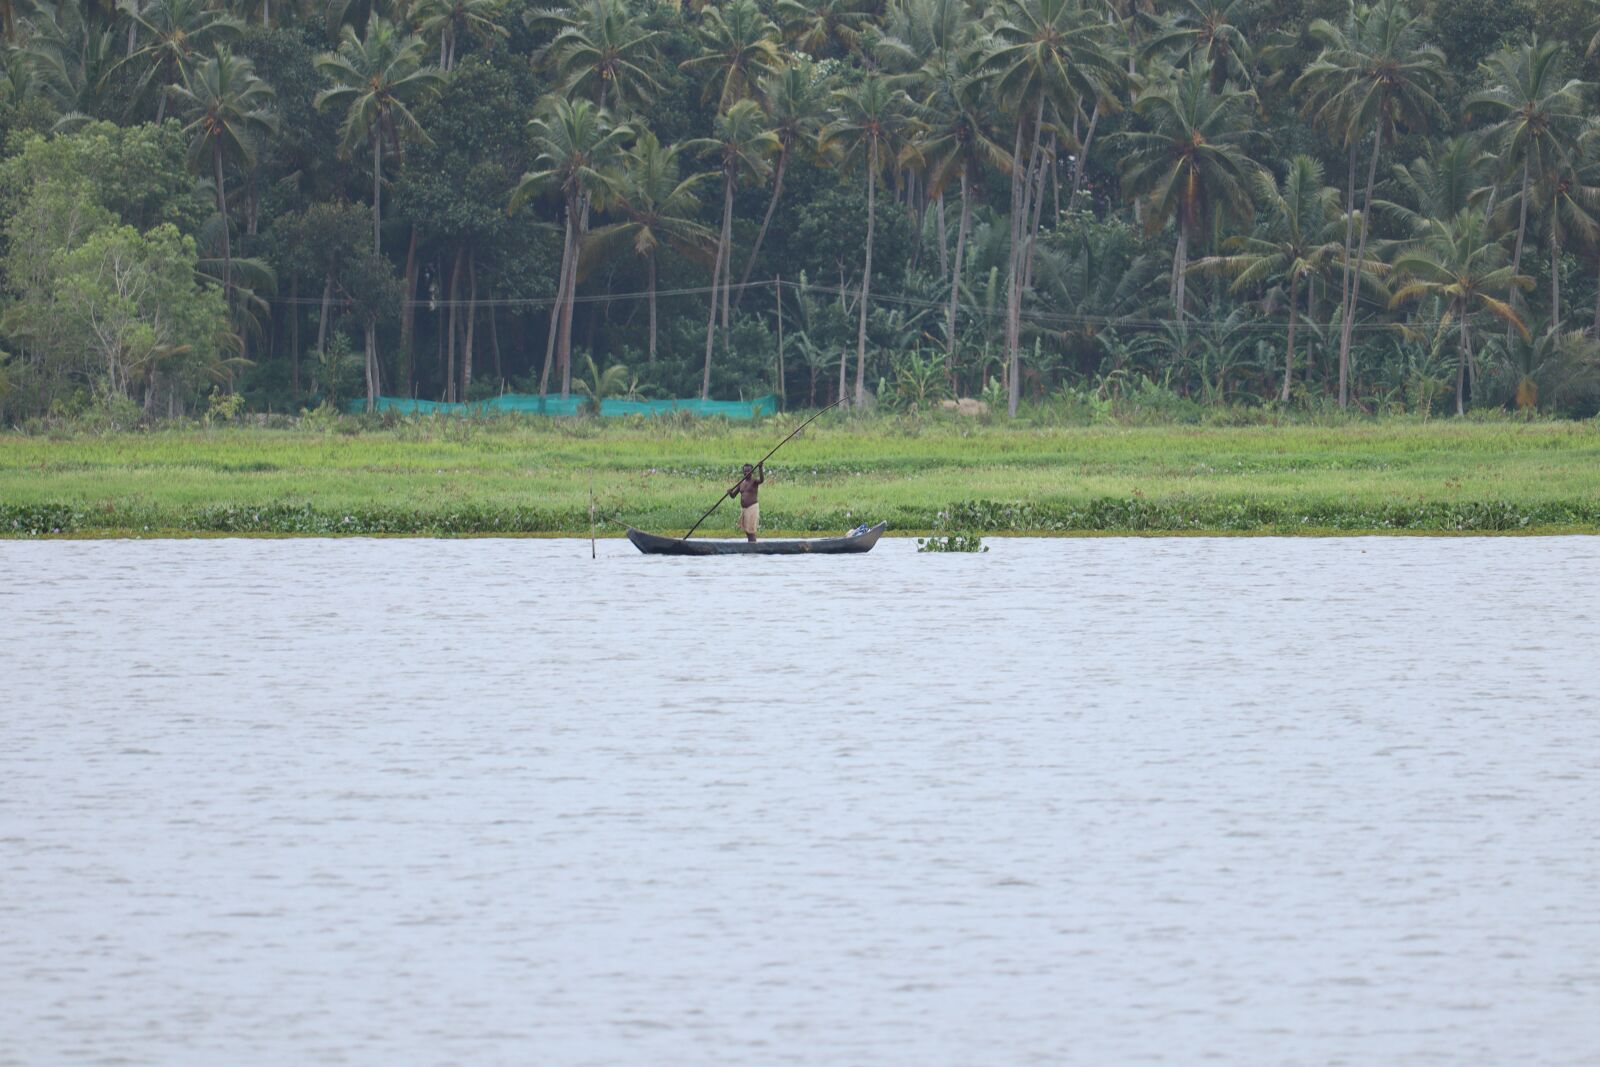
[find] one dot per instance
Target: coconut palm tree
(601, 52)
(1191, 163)
(1208, 29)
(377, 80)
(658, 207)
(1459, 264)
(448, 21)
(1536, 117)
(354, 13)
(1378, 74)
(742, 144)
(580, 152)
(872, 129)
(1296, 240)
(824, 28)
(1046, 54)
(71, 60)
(793, 97)
(738, 48)
(1453, 175)
(596, 385)
(174, 33)
(232, 109)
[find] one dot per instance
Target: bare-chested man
(747, 491)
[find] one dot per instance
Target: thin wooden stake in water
(591, 515)
(763, 459)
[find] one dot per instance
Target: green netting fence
(529, 404)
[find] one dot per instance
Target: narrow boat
(656, 545)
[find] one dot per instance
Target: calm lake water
(1096, 802)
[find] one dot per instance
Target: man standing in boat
(748, 491)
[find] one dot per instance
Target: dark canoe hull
(655, 545)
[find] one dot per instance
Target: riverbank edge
(1299, 532)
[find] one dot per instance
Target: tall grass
(514, 476)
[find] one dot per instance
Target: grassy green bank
(432, 477)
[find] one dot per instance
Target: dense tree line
(1389, 205)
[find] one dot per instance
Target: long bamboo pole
(724, 495)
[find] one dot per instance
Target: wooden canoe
(655, 545)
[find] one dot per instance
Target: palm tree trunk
(1288, 357)
(1347, 327)
(564, 341)
(1349, 236)
(408, 319)
(777, 293)
(1083, 155)
(1461, 365)
(1180, 270)
(939, 227)
(716, 278)
(1038, 213)
(866, 276)
(455, 318)
(377, 191)
(558, 307)
(494, 341)
(1522, 229)
(372, 365)
(1596, 330)
(766, 220)
(1555, 284)
(222, 211)
(322, 326)
(294, 338)
(472, 320)
(651, 269)
(1021, 182)
(961, 250)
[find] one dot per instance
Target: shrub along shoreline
(533, 477)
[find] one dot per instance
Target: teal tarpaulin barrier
(528, 404)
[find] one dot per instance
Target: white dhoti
(749, 519)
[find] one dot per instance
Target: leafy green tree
(1460, 265)
(658, 207)
(738, 48)
(232, 111)
(1192, 163)
(580, 152)
(741, 143)
(872, 129)
(1298, 242)
(1377, 73)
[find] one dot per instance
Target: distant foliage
(1198, 206)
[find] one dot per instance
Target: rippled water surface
(1095, 802)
